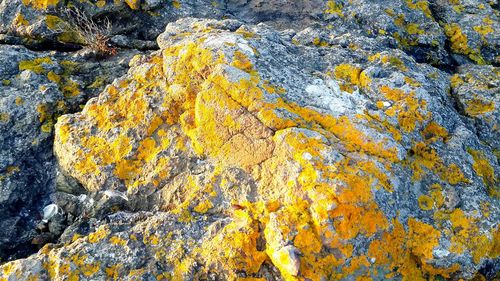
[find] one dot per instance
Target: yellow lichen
(19, 20)
(483, 168)
(349, 75)
(425, 202)
(420, 5)
(322, 207)
(54, 77)
(52, 22)
(98, 235)
(332, 7)
(133, 4)
(459, 43)
(414, 28)
(100, 3)
(115, 240)
(4, 117)
(35, 65)
(19, 101)
(203, 207)
(485, 28)
(477, 107)
(41, 4)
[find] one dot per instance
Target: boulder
(236, 151)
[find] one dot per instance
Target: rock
(476, 89)
(287, 260)
(44, 25)
(279, 140)
(470, 27)
(244, 153)
(441, 33)
(49, 212)
(125, 42)
(35, 88)
(423, 29)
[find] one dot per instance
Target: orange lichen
(423, 239)
(240, 246)
(426, 159)
(433, 132)
(467, 236)
(408, 108)
(408, 253)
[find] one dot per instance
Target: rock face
(138, 22)
(35, 89)
(237, 152)
(280, 140)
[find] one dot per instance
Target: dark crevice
(53, 46)
(25, 209)
(38, 46)
(46, 46)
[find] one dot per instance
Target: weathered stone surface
(322, 145)
(36, 88)
(39, 22)
(476, 89)
(472, 28)
(442, 33)
(255, 154)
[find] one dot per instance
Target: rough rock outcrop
(338, 140)
(475, 89)
(136, 23)
(36, 88)
(442, 33)
(239, 151)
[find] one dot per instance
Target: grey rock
(476, 90)
(35, 89)
(431, 176)
(391, 107)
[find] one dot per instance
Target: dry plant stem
(94, 35)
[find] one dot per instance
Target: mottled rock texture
(281, 140)
(36, 88)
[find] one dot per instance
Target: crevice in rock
(38, 46)
(24, 210)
